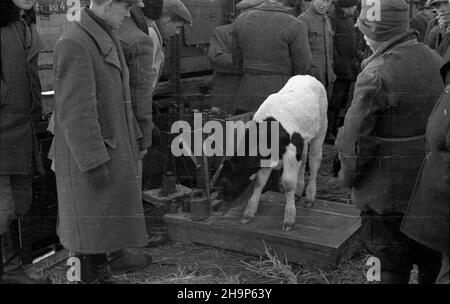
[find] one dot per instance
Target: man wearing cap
(270, 45)
(95, 149)
(438, 37)
(139, 52)
(320, 37)
(381, 145)
(227, 77)
(421, 20)
(345, 57)
(175, 15)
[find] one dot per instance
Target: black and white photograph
(224, 147)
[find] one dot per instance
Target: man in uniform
(270, 46)
(320, 37)
(227, 77)
(381, 143)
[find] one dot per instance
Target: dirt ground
(192, 264)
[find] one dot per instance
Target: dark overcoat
(381, 144)
(427, 217)
(138, 51)
(20, 103)
(320, 37)
(227, 77)
(93, 127)
(345, 57)
(270, 45)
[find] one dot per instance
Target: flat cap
(177, 8)
(248, 4)
(434, 2)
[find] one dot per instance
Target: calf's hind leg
(290, 174)
(301, 173)
(315, 158)
(252, 206)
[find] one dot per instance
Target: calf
(300, 108)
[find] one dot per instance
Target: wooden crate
(323, 235)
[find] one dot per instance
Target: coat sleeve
(235, 48)
(447, 144)
(36, 89)
(356, 141)
(219, 53)
(140, 64)
(299, 49)
(76, 105)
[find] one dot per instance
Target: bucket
(200, 206)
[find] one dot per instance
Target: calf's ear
(298, 142)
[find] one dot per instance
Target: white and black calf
(300, 108)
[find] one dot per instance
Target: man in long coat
(427, 219)
(270, 45)
(381, 143)
(95, 147)
(20, 110)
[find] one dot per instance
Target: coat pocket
(110, 142)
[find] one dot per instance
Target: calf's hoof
(246, 219)
(309, 204)
(287, 228)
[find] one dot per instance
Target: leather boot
(17, 275)
(126, 261)
(395, 277)
(93, 269)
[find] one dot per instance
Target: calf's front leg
(252, 206)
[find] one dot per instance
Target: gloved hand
(99, 177)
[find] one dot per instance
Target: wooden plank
(321, 236)
(47, 263)
(253, 243)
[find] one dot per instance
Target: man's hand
(99, 177)
(142, 153)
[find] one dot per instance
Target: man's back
(382, 138)
(267, 37)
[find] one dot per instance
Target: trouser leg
(92, 268)
(1, 257)
(444, 274)
(383, 239)
(337, 103)
(429, 264)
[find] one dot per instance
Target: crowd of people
(386, 78)
(387, 84)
